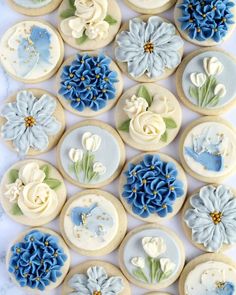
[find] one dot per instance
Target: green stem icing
(139, 274)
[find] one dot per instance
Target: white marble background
(9, 229)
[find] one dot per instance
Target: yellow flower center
(164, 206)
(30, 121)
(216, 217)
(97, 293)
(148, 47)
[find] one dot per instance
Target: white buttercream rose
(91, 11)
(97, 30)
(161, 105)
(147, 127)
(73, 26)
(37, 200)
(135, 105)
(31, 173)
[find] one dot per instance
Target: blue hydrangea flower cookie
(205, 81)
(31, 51)
(87, 25)
(32, 192)
(38, 260)
(89, 84)
(148, 48)
(152, 257)
(209, 274)
(150, 6)
(32, 121)
(205, 23)
(207, 149)
(208, 218)
(93, 223)
(34, 7)
(153, 187)
(96, 277)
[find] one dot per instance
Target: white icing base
(148, 4)
(32, 3)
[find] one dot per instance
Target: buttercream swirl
(152, 186)
(88, 82)
(208, 20)
(37, 260)
(211, 218)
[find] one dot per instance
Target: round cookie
(89, 84)
(26, 255)
(152, 257)
(93, 223)
(31, 51)
(208, 274)
(108, 278)
(148, 48)
(32, 121)
(207, 23)
(150, 6)
(34, 8)
(90, 154)
(32, 192)
(89, 25)
(205, 81)
(148, 117)
(207, 149)
(155, 293)
(207, 218)
(153, 187)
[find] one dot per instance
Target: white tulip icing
(209, 149)
(30, 50)
(32, 3)
(148, 4)
(211, 278)
(91, 222)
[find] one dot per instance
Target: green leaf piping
(144, 93)
(125, 126)
(52, 183)
(45, 168)
(67, 13)
(110, 20)
(13, 175)
(170, 123)
(82, 39)
(164, 137)
(138, 273)
(15, 210)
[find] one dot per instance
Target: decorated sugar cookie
(32, 192)
(38, 260)
(208, 149)
(150, 6)
(148, 117)
(31, 51)
(93, 223)
(96, 278)
(158, 293)
(153, 187)
(205, 81)
(34, 7)
(32, 121)
(209, 274)
(89, 25)
(90, 154)
(208, 218)
(89, 84)
(148, 48)
(151, 257)
(205, 23)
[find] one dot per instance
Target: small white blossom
(76, 155)
(91, 142)
(138, 261)
(154, 246)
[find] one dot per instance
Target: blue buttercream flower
(152, 186)
(206, 20)
(88, 82)
(37, 260)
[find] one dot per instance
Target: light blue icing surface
(32, 3)
(108, 153)
(227, 77)
(134, 248)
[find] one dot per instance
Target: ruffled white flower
(99, 168)
(13, 190)
(91, 11)
(220, 90)
(31, 172)
(212, 66)
(98, 30)
(73, 26)
(198, 79)
(167, 266)
(138, 261)
(160, 105)
(76, 155)
(135, 105)
(91, 142)
(154, 246)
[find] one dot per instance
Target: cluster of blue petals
(206, 19)
(152, 186)
(88, 82)
(37, 260)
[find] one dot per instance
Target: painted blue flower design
(209, 19)
(30, 122)
(226, 289)
(88, 82)
(37, 261)
(152, 186)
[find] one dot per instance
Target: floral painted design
(152, 187)
(211, 217)
(206, 91)
(31, 191)
(149, 117)
(26, 260)
(88, 82)
(30, 122)
(160, 268)
(209, 21)
(84, 159)
(86, 19)
(149, 47)
(95, 282)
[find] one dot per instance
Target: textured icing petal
(25, 101)
(203, 234)
(198, 203)
(137, 29)
(128, 53)
(217, 239)
(51, 126)
(175, 43)
(138, 66)
(10, 112)
(45, 106)
(205, 194)
(114, 285)
(151, 27)
(155, 67)
(97, 274)
(38, 138)
(79, 283)
(12, 130)
(163, 34)
(171, 59)
(22, 142)
(195, 219)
